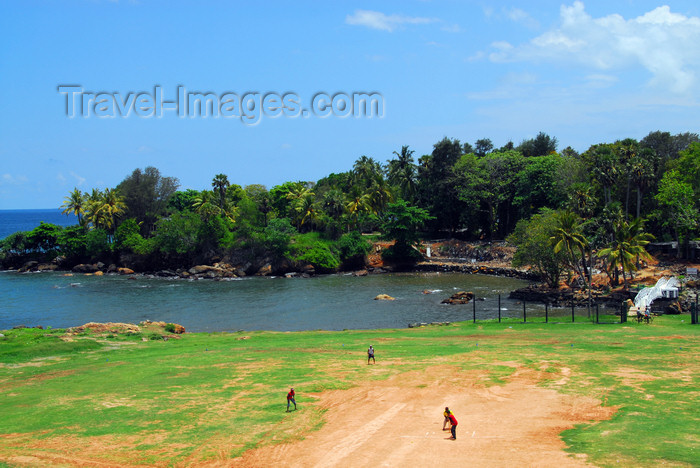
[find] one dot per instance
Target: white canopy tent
(665, 287)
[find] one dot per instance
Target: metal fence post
(499, 308)
(573, 318)
(524, 313)
(597, 316)
(546, 312)
(623, 313)
(474, 310)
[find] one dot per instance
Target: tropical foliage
(564, 210)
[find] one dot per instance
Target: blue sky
(584, 72)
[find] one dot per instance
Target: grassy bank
(181, 400)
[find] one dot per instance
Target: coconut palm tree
(627, 247)
(206, 205)
(308, 211)
(379, 194)
(301, 198)
(402, 173)
(75, 203)
(365, 170)
(104, 208)
(358, 203)
(568, 237)
(334, 203)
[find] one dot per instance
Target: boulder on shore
(85, 268)
(461, 297)
(29, 266)
(384, 297)
(125, 271)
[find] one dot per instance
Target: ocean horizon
(15, 220)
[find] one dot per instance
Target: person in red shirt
(453, 421)
(290, 399)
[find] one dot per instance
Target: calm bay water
(332, 302)
(26, 220)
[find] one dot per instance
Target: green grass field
(120, 399)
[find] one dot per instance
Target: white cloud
(519, 16)
(664, 43)
(9, 179)
(61, 178)
(382, 22)
(451, 28)
(79, 180)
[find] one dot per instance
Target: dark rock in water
(112, 268)
(29, 266)
(291, 274)
(125, 271)
(199, 269)
(100, 265)
(265, 270)
(360, 273)
(461, 297)
(85, 268)
(47, 267)
(166, 274)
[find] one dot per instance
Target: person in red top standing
(453, 421)
(290, 399)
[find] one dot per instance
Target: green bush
(353, 244)
(170, 327)
(311, 248)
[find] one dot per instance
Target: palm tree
(308, 211)
(568, 237)
(581, 199)
(76, 203)
(379, 195)
(628, 244)
(334, 203)
(365, 169)
(402, 173)
(206, 205)
(220, 184)
(104, 208)
(642, 169)
(359, 203)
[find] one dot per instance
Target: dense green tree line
(610, 199)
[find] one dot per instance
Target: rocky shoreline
(226, 271)
(536, 292)
(476, 269)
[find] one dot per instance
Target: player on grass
(290, 399)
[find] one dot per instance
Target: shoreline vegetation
(563, 213)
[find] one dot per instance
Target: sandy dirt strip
(398, 423)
